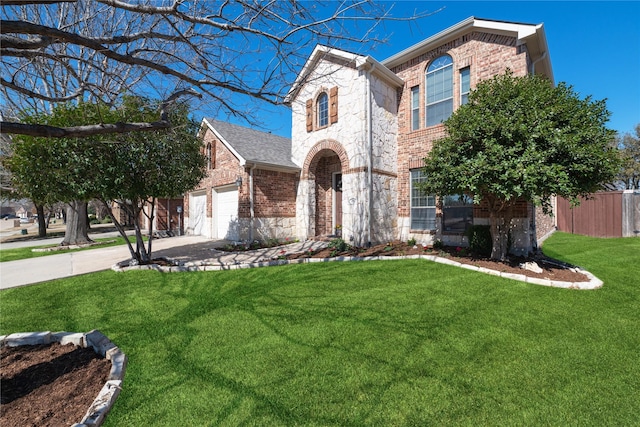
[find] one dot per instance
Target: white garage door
(226, 213)
(198, 214)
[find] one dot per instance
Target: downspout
(369, 123)
(532, 67)
(534, 237)
(251, 203)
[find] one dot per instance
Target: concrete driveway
(35, 270)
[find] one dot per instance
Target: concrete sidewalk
(183, 248)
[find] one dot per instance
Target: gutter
(532, 67)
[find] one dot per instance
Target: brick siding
(486, 55)
(274, 195)
(225, 171)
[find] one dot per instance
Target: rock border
(591, 284)
(101, 345)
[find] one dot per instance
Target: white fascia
(514, 29)
(367, 63)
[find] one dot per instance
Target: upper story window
(209, 156)
(439, 90)
(322, 109)
(415, 108)
(465, 85)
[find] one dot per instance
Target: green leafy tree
(521, 138)
(139, 167)
(130, 169)
(51, 170)
(629, 146)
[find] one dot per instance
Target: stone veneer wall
(348, 138)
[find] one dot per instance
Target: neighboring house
(360, 131)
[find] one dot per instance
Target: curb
(592, 283)
(101, 345)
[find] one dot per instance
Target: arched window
(439, 90)
(322, 108)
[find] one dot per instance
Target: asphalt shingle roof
(255, 146)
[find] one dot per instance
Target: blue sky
(594, 46)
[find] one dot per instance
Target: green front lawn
(24, 253)
(361, 343)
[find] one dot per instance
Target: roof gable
(253, 147)
(532, 35)
(360, 62)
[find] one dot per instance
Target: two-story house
(360, 131)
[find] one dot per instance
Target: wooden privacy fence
(608, 214)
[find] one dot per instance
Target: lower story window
(423, 205)
(457, 213)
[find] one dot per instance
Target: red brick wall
(485, 54)
(274, 195)
(274, 192)
(225, 171)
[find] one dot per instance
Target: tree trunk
(151, 216)
(76, 232)
(141, 251)
(42, 221)
(498, 236)
(135, 260)
(500, 223)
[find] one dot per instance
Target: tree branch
(79, 131)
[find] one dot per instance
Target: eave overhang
(531, 35)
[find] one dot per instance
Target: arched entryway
(323, 169)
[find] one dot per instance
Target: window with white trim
(322, 108)
(415, 108)
(465, 85)
(439, 105)
(423, 205)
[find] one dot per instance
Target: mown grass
(361, 343)
(26, 253)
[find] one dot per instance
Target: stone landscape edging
(592, 283)
(101, 345)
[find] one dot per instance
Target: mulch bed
(552, 269)
(49, 385)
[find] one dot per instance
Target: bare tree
(231, 52)
(629, 145)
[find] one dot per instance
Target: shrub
(338, 245)
(411, 242)
(438, 244)
(480, 242)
